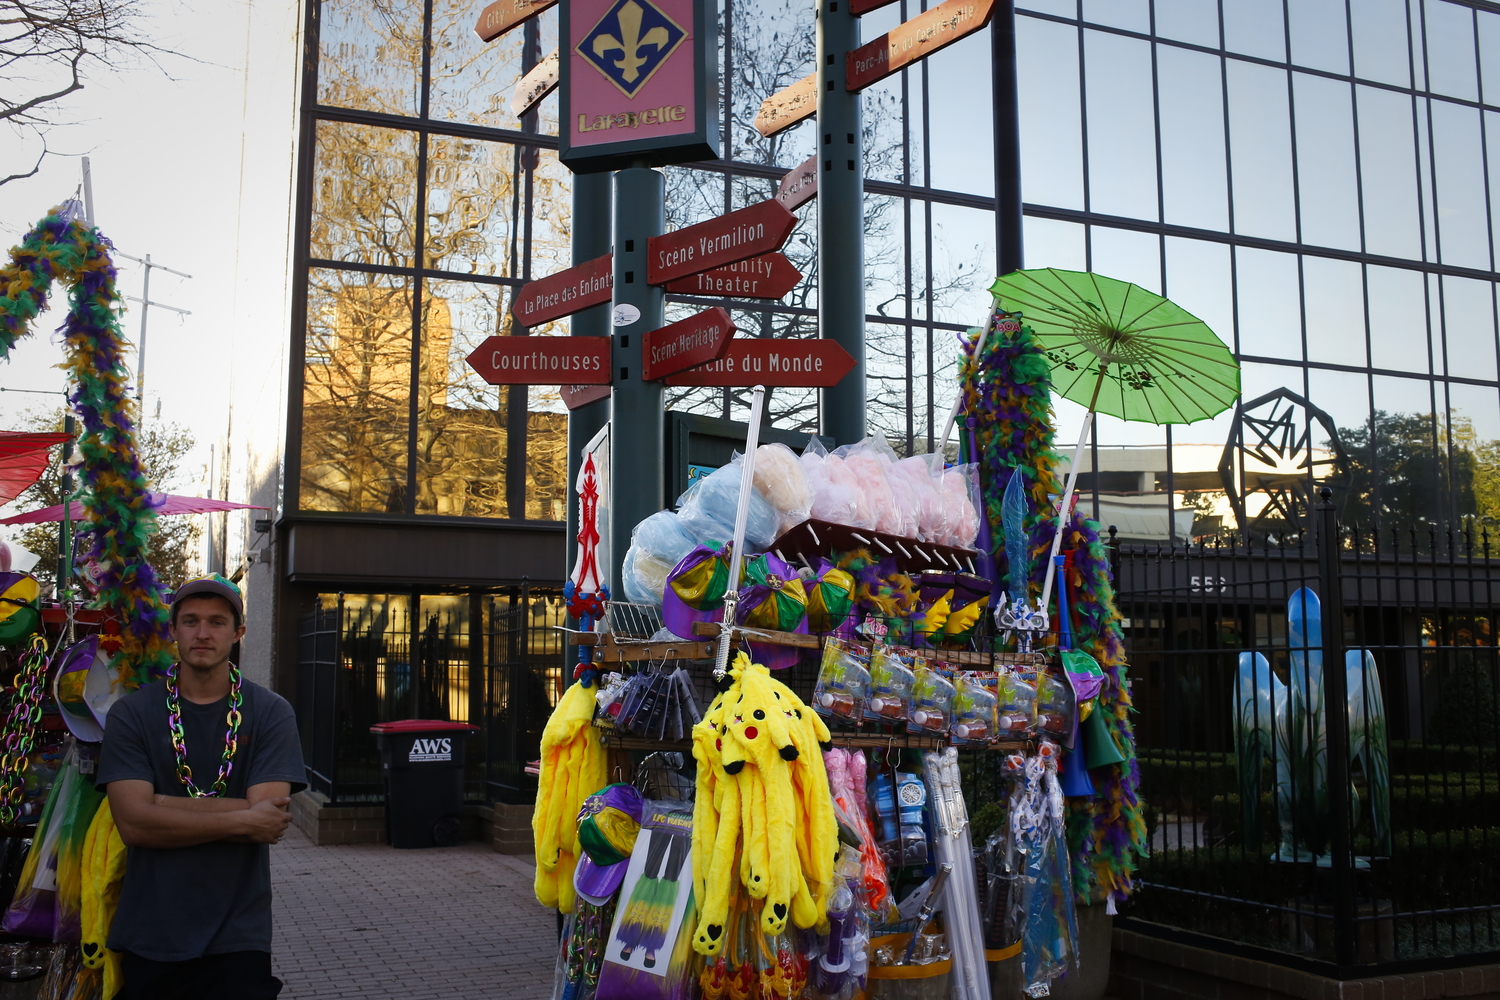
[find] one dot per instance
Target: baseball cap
(695, 590)
(607, 827)
(213, 585)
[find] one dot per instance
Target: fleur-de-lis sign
(630, 42)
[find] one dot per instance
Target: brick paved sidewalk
(366, 920)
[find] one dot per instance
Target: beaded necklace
(179, 744)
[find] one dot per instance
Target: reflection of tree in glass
(1408, 469)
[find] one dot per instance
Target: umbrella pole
(1067, 500)
(741, 518)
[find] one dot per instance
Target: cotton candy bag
(707, 510)
(779, 477)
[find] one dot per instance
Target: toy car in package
(891, 682)
(931, 701)
(843, 682)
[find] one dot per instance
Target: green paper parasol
(1119, 349)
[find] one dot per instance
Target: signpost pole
(841, 263)
(591, 225)
(636, 406)
(1007, 139)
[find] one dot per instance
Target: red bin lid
(421, 725)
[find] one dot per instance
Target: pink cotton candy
(865, 467)
(864, 513)
(963, 522)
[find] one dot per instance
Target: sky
(164, 144)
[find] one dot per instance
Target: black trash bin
(423, 764)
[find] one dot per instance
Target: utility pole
(146, 304)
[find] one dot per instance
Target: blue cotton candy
(708, 509)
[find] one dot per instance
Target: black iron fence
(1318, 733)
(491, 658)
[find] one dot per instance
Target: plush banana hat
(695, 589)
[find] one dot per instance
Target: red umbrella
(165, 503)
(23, 459)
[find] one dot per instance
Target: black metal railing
(369, 658)
(1341, 819)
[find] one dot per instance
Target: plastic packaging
(1017, 705)
(911, 799)
(779, 478)
(868, 465)
(656, 545)
(1055, 707)
(931, 701)
(926, 494)
(974, 710)
(961, 523)
(891, 681)
(707, 510)
(843, 682)
(831, 501)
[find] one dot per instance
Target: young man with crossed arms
(199, 769)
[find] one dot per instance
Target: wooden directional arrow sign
(542, 360)
(916, 39)
(534, 86)
(769, 276)
(686, 344)
(502, 15)
(759, 229)
(574, 396)
(788, 106)
(800, 185)
(564, 293)
(809, 364)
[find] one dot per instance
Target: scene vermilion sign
(687, 343)
(502, 15)
(542, 360)
(769, 276)
(916, 39)
(730, 238)
(807, 364)
(564, 293)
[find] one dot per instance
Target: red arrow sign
(769, 276)
(810, 364)
(916, 39)
(564, 293)
(865, 6)
(542, 360)
(759, 229)
(574, 396)
(502, 15)
(800, 185)
(686, 344)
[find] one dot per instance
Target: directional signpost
(502, 15)
(761, 228)
(542, 360)
(788, 106)
(773, 361)
(686, 344)
(769, 276)
(564, 293)
(800, 185)
(916, 39)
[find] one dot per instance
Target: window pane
(1127, 256)
(371, 55)
(1450, 50)
(1050, 243)
(1398, 319)
(1051, 138)
(773, 48)
(1469, 327)
(364, 194)
(1320, 37)
(1255, 27)
(1063, 8)
(963, 263)
(1270, 324)
(1397, 472)
(1344, 396)
(1188, 21)
(884, 120)
(1463, 230)
(1380, 50)
(461, 419)
(1122, 133)
(472, 80)
(1489, 55)
(961, 132)
(1132, 15)
(1198, 279)
(1387, 162)
(1192, 139)
(1261, 146)
(885, 255)
(886, 366)
(1329, 199)
(1335, 310)
(470, 187)
(1474, 436)
(356, 392)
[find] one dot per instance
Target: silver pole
(140, 358)
(741, 518)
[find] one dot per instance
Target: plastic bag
(830, 501)
(846, 480)
(974, 710)
(931, 701)
(891, 680)
(779, 477)
(927, 495)
(843, 682)
(707, 510)
(49, 899)
(961, 523)
(1055, 707)
(1017, 705)
(864, 462)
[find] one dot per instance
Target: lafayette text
(632, 119)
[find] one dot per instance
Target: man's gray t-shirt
(181, 903)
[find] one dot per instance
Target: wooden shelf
(619, 740)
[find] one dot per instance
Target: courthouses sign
(639, 82)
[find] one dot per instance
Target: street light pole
(146, 304)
